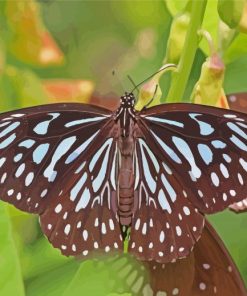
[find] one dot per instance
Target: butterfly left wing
(59, 161)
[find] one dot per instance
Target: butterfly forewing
(55, 162)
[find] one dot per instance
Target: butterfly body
(87, 171)
(125, 118)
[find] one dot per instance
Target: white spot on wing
(42, 127)
(61, 149)
(82, 121)
(84, 200)
(167, 121)
(164, 202)
(185, 150)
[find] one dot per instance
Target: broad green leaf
(40, 258)
(237, 49)
(52, 283)
(235, 76)
(230, 11)
(11, 282)
(95, 278)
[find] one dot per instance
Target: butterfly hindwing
(58, 161)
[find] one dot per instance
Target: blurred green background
(53, 51)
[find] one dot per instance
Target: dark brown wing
(59, 161)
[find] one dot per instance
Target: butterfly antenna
(167, 66)
(132, 81)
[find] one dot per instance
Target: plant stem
(181, 76)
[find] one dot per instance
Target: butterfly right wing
(60, 162)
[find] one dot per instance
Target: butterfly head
(127, 101)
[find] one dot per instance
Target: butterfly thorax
(126, 113)
(125, 117)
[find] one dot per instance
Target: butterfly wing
(59, 161)
(208, 270)
(215, 271)
(190, 159)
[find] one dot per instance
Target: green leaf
(34, 265)
(94, 278)
(237, 48)
(11, 278)
(52, 283)
(230, 11)
(235, 76)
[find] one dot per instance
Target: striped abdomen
(126, 181)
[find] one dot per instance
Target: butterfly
(96, 177)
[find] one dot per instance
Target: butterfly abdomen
(126, 180)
